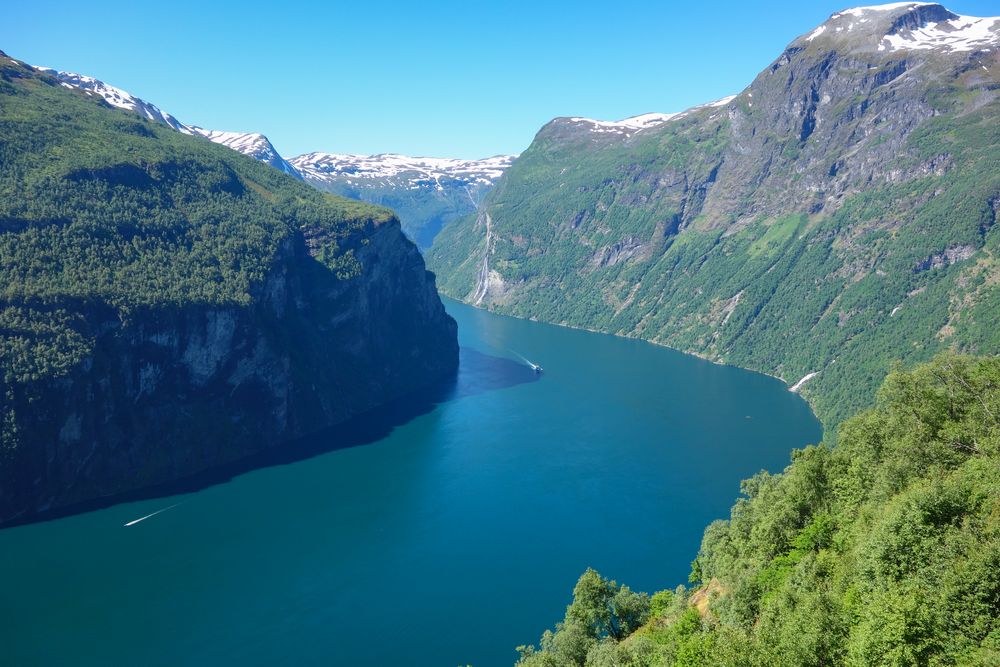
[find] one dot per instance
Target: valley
(491, 485)
(732, 369)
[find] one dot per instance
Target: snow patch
(391, 169)
(116, 97)
(254, 144)
(816, 33)
(720, 103)
(635, 124)
(965, 33)
(859, 11)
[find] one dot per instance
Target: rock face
(187, 308)
(179, 391)
(776, 230)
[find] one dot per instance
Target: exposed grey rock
(175, 392)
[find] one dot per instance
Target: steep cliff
(836, 215)
(167, 305)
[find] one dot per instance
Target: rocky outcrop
(173, 391)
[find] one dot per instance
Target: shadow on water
(478, 373)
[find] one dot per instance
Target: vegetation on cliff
(100, 206)
(837, 215)
(168, 305)
(881, 550)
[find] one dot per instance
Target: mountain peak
(254, 144)
(915, 26)
(116, 97)
(627, 127)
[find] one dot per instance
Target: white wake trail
(143, 518)
(523, 358)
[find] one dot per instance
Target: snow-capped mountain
(399, 170)
(117, 97)
(907, 26)
(254, 144)
(635, 124)
(922, 26)
(425, 192)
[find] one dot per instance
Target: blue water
(444, 530)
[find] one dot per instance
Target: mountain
(253, 144)
(116, 97)
(625, 129)
(427, 193)
(837, 215)
(168, 305)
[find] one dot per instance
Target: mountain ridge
(398, 181)
(844, 199)
(254, 144)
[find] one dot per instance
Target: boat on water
(535, 367)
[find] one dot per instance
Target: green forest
(879, 546)
(101, 209)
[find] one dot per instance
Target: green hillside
(168, 305)
(100, 206)
(883, 550)
(837, 215)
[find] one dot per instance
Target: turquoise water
(442, 531)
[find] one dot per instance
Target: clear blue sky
(456, 79)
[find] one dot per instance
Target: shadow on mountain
(478, 373)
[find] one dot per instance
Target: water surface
(443, 531)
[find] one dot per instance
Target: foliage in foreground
(882, 550)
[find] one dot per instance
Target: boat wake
(535, 367)
(143, 518)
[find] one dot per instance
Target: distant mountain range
(835, 216)
(426, 193)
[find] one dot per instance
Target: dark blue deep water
(444, 530)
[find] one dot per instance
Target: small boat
(535, 367)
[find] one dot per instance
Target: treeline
(881, 550)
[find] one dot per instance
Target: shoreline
(788, 387)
